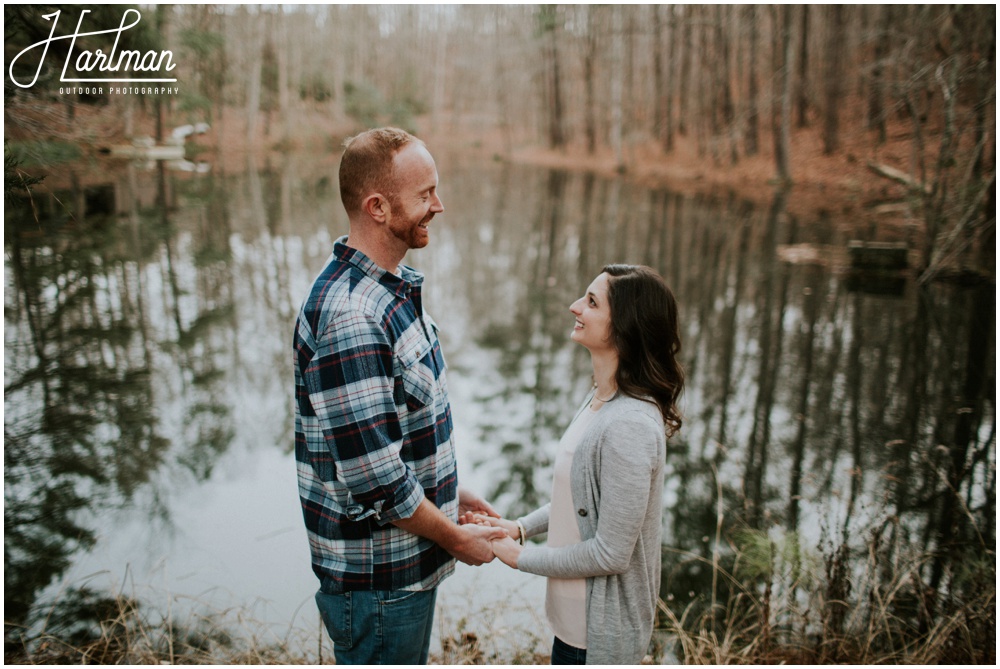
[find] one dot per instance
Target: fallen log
(899, 176)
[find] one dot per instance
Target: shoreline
(840, 190)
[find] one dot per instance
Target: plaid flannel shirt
(372, 427)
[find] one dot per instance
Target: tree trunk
(781, 117)
(682, 93)
(876, 92)
(502, 86)
(753, 112)
(984, 88)
(256, 31)
(338, 71)
(284, 92)
(590, 101)
(557, 130)
(659, 97)
(802, 101)
(833, 79)
(713, 71)
(668, 136)
(705, 108)
(552, 97)
(725, 81)
(629, 102)
(617, 47)
(440, 73)
(161, 28)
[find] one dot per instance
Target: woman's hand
(509, 526)
(507, 550)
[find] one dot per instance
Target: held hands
(506, 547)
(470, 518)
(474, 546)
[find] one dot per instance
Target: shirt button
(582, 512)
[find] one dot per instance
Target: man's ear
(376, 206)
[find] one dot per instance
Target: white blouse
(566, 598)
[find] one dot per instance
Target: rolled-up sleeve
(353, 392)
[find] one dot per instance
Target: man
(373, 446)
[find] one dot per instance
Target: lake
(148, 428)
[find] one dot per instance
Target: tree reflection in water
(838, 417)
(84, 377)
(831, 406)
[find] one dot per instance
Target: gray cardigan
(617, 483)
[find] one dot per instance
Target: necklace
(599, 399)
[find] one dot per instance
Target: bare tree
(284, 87)
(876, 90)
(256, 37)
(706, 129)
(833, 79)
(725, 80)
(502, 88)
(589, 67)
(659, 93)
(617, 47)
(162, 26)
(781, 111)
(802, 81)
(753, 114)
(548, 24)
(685, 70)
(668, 131)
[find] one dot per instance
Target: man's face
(415, 200)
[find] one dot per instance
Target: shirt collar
(408, 280)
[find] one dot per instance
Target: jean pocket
(336, 613)
(398, 597)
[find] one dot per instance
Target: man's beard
(414, 236)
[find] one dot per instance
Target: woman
(602, 558)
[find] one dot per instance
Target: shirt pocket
(417, 377)
(436, 350)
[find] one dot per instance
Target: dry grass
(873, 613)
(825, 611)
(510, 630)
(86, 628)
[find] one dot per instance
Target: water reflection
(114, 319)
(147, 322)
(829, 406)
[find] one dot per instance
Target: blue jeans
(563, 653)
(380, 626)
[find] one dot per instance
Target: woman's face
(593, 317)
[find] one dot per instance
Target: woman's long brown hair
(645, 334)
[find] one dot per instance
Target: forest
(889, 105)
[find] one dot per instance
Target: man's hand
(469, 501)
(468, 543)
(472, 545)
